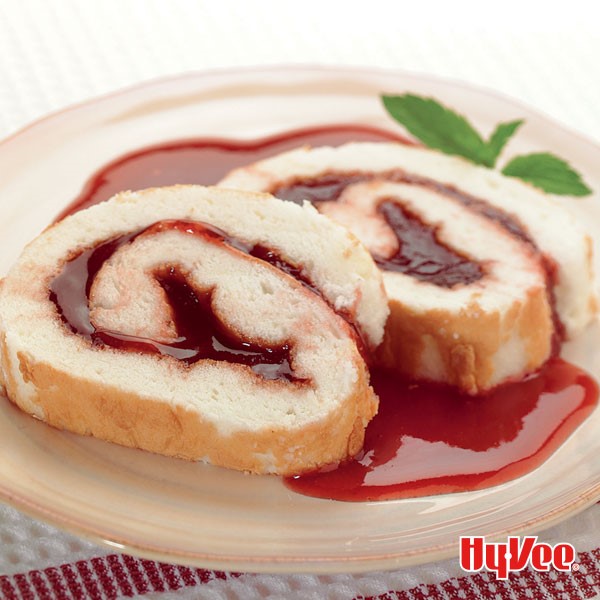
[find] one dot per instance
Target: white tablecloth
(53, 54)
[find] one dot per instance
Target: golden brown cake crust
(215, 411)
(467, 346)
(106, 412)
(547, 291)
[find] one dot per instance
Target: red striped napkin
(33, 567)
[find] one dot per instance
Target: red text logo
(514, 555)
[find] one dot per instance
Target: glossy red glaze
(421, 254)
(426, 439)
(205, 161)
(429, 439)
(201, 334)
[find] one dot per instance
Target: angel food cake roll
(162, 320)
(485, 275)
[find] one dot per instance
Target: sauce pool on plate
(426, 439)
(207, 161)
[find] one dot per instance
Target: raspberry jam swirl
(426, 439)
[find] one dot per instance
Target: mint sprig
(549, 172)
(441, 128)
(498, 140)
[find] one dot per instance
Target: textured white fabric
(53, 54)
(56, 53)
(27, 544)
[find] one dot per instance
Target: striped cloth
(39, 562)
(121, 576)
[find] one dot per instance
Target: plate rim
(289, 564)
(297, 68)
(280, 564)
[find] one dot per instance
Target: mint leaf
(443, 129)
(498, 139)
(547, 172)
(437, 126)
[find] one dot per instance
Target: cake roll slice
(480, 289)
(201, 323)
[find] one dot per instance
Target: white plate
(194, 514)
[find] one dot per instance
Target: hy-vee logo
(514, 555)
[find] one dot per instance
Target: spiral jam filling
(328, 187)
(200, 332)
(421, 254)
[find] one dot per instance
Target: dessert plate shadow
(200, 515)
